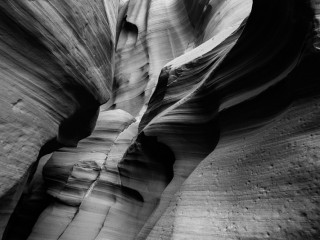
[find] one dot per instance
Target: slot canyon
(159, 119)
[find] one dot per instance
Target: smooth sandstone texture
(209, 128)
(264, 181)
(56, 69)
(150, 34)
(155, 170)
(257, 184)
(83, 180)
(147, 167)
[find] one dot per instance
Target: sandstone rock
(56, 69)
(207, 129)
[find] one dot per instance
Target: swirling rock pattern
(56, 69)
(207, 129)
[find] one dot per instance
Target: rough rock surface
(208, 125)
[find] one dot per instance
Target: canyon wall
(175, 119)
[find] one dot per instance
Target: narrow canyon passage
(175, 119)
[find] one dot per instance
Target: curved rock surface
(207, 129)
(56, 69)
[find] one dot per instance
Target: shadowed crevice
(147, 167)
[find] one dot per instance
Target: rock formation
(175, 119)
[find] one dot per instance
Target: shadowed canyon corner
(159, 119)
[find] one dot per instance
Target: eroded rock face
(222, 95)
(56, 69)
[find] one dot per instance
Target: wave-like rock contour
(175, 119)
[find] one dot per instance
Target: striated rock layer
(264, 176)
(56, 69)
(207, 128)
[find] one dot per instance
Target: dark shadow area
(82, 122)
(128, 35)
(148, 162)
(301, 83)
